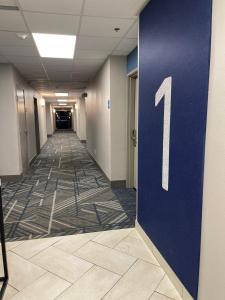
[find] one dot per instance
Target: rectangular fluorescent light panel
(55, 45)
(61, 94)
(61, 100)
(62, 104)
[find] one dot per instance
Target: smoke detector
(22, 35)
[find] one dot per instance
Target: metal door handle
(134, 137)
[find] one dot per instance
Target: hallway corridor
(63, 193)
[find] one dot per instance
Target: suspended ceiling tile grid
(93, 21)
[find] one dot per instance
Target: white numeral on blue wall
(165, 92)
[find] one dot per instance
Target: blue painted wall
(174, 41)
(132, 61)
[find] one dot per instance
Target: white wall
(9, 135)
(74, 118)
(81, 119)
(98, 119)
(30, 93)
(42, 121)
(106, 127)
(49, 119)
(212, 267)
(10, 153)
(118, 119)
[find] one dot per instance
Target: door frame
(36, 124)
(132, 77)
(24, 164)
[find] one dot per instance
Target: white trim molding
(170, 273)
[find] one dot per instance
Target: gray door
(36, 121)
(22, 128)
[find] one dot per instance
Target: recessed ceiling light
(62, 100)
(61, 94)
(62, 104)
(55, 45)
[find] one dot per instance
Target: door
(36, 121)
(132, 153)
(22, 128)
(135, 144)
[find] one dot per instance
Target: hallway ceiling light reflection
(55, 45)
(61, 100)
(62, 94)
(62, 104)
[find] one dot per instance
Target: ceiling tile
(51, 23)
(18, 51)
(115, 8)
(79, 85)
(60, 76)
(29, 69)
(97, 43)
(3, 59)
(58, 68)
(53, 6)
(104, 27)
(91, 54)
(80, 77)
(57, 61)
(8, 2)
(10, 39)
(89, 62)
(120, 53)
(87, 66)
(23, 59)
(127, 45)
(133, 33)
(33, 76)
(11, 20)
(57, 64)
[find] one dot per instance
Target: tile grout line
(89, 270)
(157, 286)
(121, 278)
(125, 253)
(28, 259)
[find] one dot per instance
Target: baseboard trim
(11, 178)
(115, 184)
(170, 273)
(98, 165)
(33, 159)
(118, 184)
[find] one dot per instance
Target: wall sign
(109, 103)
(164, 92)
(174, 53)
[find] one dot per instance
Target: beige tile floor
(110, 265)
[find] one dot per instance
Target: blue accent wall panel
(174, 42)
(132, 61)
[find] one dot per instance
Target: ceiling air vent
(8, 7)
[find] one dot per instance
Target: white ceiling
(93, 21)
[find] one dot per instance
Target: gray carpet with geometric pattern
(64, 192)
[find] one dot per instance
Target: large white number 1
(165, 92)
